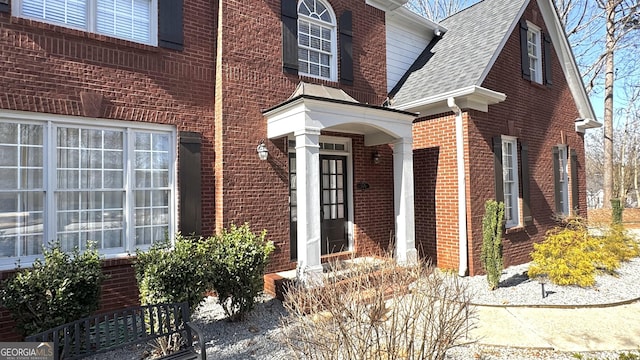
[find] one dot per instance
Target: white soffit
(472, 97)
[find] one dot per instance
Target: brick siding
(47, 67)
(536, 114)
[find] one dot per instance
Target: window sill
(514, 230)
(319, 81)
(35, 24)
(538, 85)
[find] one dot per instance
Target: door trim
(348, 153)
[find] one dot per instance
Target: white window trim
(515, 197)
(16, 10)
(333, 62)
(50, 122)
(532, 28)
(563, 168)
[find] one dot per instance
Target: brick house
(125, 123)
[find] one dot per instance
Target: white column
(403, 200)
(308, 197)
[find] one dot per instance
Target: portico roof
(322, 107)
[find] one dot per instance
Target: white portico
(314, 108)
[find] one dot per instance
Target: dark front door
(333, 202)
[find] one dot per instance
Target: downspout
(462, 190)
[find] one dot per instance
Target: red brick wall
(46, 67)
(119, 290)
(436, 191)
(249, 79)
(538, 115)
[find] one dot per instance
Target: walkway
(582, 329)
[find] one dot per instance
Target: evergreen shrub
(238, 258)
(63, 288)
(173, 275)
(492, 241)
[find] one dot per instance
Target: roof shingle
(459, 58)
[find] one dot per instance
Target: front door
(333, 202)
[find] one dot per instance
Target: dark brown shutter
(170, 34)
(289, 15)
(4, 5)
(190, 178)
(524, 175)
(346, 48)
(524, 53)
(575, 204)
(556, 180)
(497, 167)
(548, 55)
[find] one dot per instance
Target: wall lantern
(376, 157)
(262, 151)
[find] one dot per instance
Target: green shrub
(64, 288)
(616, 211)
(238, 258)
(492, 241)
(173, 275)
(570, 256)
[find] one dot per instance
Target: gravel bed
(260, 335)
(517, 289)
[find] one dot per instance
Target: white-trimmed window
(63, 180)
(134, 20)
(534, 51)
(510, 181)
(317, 40)
(563, 179)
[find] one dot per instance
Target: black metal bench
(109, 331)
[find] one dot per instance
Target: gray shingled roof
(458, 59)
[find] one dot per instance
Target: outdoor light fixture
(262, 151)
(376, 157)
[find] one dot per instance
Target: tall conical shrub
(492, 241)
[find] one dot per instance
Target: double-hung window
(510, 181)
(317, 40)
(534, 52)
(134, 20)
(62, 180)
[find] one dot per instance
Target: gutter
(462, 191)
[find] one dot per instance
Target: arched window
(317, 40)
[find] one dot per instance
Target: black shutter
(190, 178)
(289, 15)
(4, 5)
(346, 48)
(524, 53)
(170, 24)
(524, 175)
(497, 167)
(575, 204)
(548, 53)
(556, 180)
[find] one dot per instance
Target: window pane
(8, 133)
(31, 134)
(71, 12)
(8, 179)
(8, 155)
(68, 137)
(112, 239)
(127, 19)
